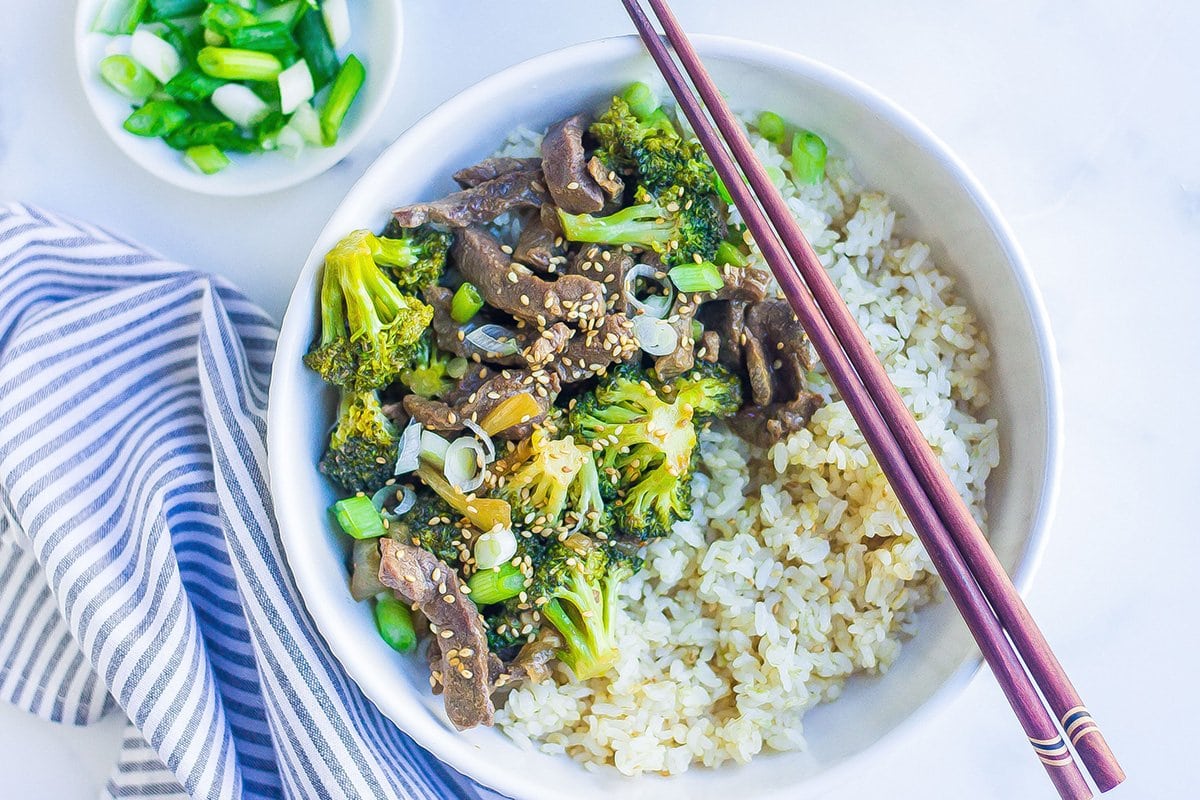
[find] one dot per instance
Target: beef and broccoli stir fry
(524, 366)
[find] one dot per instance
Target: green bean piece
(156, 118)
(127, 76)
(345, 88)
(395, 623)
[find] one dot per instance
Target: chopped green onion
(290, 142)
(702, 277)
(167, 9)
(337, 21)
(395, 623)
(240, 104)
(358, 517)
(224, 18)
(307, 123)
(268, 129)
(224, 134)
(659, 119)
(207, 158)
(466, 303)
(156, 118)
(213, 38)
(316, 48)
(722, 190)
(288, 13)
(433, 449)
(239, 65)
(697, 330)
(127, 76)
(729, 253)
(641, 99)
(808, 157)
(776, 175)
(772, 127)
(192, 85)
(155, 54)
(345, 88)
(118, 17)
(273, 37)
(490, 586)
(295, 86)
(495, 547)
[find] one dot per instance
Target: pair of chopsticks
(973, 575)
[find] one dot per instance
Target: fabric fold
(140, 563)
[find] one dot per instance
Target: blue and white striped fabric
(140, 566)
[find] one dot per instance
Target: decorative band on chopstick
(1052, 752)
(1078, 723)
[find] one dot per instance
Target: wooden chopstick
(1031, 644)
(840, 356)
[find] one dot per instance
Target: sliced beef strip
(537, 245)
(564, 163)
(608, 180)
(545, 347)
(593, 351)
(481, 203)
(727, 318)
(438, 416)
(785, 346)
(514, 288)
(533, 661)
(418, 577)
(606, 266)
(766, 425)
(748, 284)
(491, 168)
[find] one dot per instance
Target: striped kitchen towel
(140, 565)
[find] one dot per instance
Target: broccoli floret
(576, 589)
(651, 149)
(361, 454)
(368, 326)
(415, 257)
(429, 373)
(431, 524)
(673, 224)
(556, 485)
(711, 390)
(505, 623)
(646, 441)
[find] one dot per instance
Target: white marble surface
(1080, 118)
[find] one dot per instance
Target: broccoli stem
(586, 628)
(642, 224)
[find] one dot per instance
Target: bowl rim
(185, 178)
(769, 57)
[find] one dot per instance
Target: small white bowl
(939, 202)
(377, 35)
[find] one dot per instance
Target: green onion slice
(496, 585)
(207, 158)
(466, 303)
(771, 127)
(358, 517)
(232, 64)
(127, 76)
(345, 88)
(702, 277)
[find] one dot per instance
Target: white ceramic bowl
(377, 34)
(939, 202)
